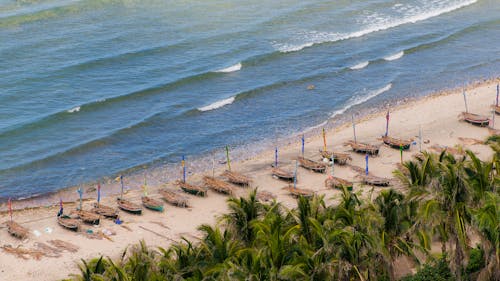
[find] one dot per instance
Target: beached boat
(236, 178)
(338, 157)
(282, 174)
(105, 211)
(363, 147)
(397, 143)
(88, 217)
(312, 165)
(218, 185)
(335, 182)
(265, 196)
(128, 206)
(152, 204)
(192, 189)
(296, 192)
(174, 198)
(67, 222)
(17, 230)
(475, 119)
(374, 180)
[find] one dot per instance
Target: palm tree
(242, 212)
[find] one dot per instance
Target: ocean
(93, 88)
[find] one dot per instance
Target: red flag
(10, 208)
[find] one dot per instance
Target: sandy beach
(436, 115)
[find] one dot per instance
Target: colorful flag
(324, 140)
(366, 159)
(276, 157)
(303, 142)
(183, 163)
(98, 192)
(61, 210)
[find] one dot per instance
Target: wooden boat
(218, 185)
(174, 198)
(397, 143)
(17, 230)
(67, 222)
(105, 211)
(128, 206)
(282, 174)
(265, 196)
(335, 182)
(374, 180)
(192, 189)
(339, 158)
(312, 165)
(363, 147)
(88, 217)
(236, 178)
(475, 119)
(297, 192)
(152, 204)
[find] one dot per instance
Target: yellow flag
(117, 178)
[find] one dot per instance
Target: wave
(361, 99)
(217, 104)
(360, 65)
(232, 68)
(326, 37)
(74, 109)
(395, 56)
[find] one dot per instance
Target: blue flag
(366, 158)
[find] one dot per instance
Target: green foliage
(437, 271)
(446, 198)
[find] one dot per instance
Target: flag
(303, 141)
(98, 192)
(118, 178)
(387, 123)
(60, 208)
(10, 208)
(276, 157)
(366, 159)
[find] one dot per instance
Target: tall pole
(387, 124)
(496, 103)
(333, 160)
(354, 128)
(276, 157)
(80, 193)
(324, 140)
(121, 182)
(465, 101)
(228, 160)
(183, 163)
(303, 142)
(366, 169)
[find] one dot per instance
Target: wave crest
(395, 56)
(74, 109)
(360, 65)
(231, 68)
(217, 104)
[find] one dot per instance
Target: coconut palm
(241, 213)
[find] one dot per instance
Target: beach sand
(436, 115)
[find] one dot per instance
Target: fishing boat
(68, 222)
(374, 180)
(338, 157)
(312, 165)
(397, 143)
(363, 147)
(335, 182)
(128, 206)
(17, 230)
(475, 119)
(174, 198)
(88, 217)
(105, 211)
(282, 174)
(218, 185)
(192, 189)
(297, 192)
(236, 178)
(152, 204)
(265, 196)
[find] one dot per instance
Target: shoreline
(313, 133)
(437, 113)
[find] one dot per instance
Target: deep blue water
(92, 88)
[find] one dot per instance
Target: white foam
(217, 104)
(232, 68)
(395, 56)
(360, 65)
(359, 100)
(415, 15)
(75, 109)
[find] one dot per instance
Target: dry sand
(435, 114)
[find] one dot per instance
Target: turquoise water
(92, 88)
